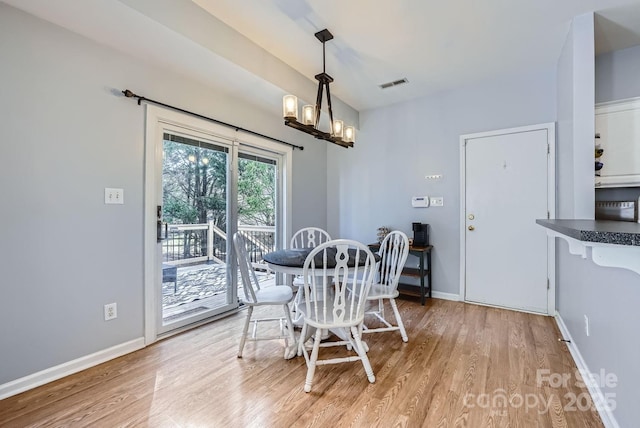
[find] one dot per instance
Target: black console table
(423, 254)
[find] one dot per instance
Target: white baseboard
(65, 369)
(445, 296)
(597, 396)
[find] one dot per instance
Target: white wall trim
(445, 296)
(158, 120)
(551, 204)
(618, 105)
(597, 396)
(70, 367)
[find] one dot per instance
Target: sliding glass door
(258, 208)
(205, 187)
(195, 178)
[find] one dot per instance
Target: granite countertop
(602, 231)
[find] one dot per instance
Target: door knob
(471, 228)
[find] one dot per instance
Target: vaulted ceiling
(268, 47)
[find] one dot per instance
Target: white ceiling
(436, 45)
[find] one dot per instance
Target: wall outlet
(436, 201)
(586, 325)
(110, 311)
(113, 196)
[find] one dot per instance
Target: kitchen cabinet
(617, 126)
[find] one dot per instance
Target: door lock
(161, 227)
(471, 217)
(471, 228)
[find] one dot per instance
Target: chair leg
(362, 354)
(396, 313)
(302, 340)
(311, 364)
(290, 345)
(245, 330)
(364, 344)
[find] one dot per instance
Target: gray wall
(397, 146)
(607, 296)
(617, 75)
(67, 136)
(564, 131)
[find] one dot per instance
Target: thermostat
(420, 201)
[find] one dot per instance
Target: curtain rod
(127, 93)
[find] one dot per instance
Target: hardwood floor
(464, 366)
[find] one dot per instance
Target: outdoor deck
(200, 287)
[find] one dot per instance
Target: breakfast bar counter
(602, 231)
(612, 243)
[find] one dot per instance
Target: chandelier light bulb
(290, 107)
(338, 128)
(349, 134)
(309, 115)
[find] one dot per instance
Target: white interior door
(505, 189)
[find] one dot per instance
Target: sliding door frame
(157, 119)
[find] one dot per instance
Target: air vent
(394, 83)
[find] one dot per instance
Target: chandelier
(339, 134)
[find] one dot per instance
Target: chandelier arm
(318, 103)
(330, 110)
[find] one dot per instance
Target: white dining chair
(307, 237)
(330, 271)
(393, 252)
(254, 295)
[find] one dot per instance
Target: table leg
(429, 274)
(422, 279)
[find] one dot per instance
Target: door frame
(551, 204)
(155, 118)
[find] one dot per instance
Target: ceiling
(435, 45)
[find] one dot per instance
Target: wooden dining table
(291, 260)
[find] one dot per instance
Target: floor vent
(394, 83)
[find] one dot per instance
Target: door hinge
(548, 215)
(548, 282)
(548, 148)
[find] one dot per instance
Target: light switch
(436, 201)
(113, 196)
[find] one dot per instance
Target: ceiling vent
(394, 83)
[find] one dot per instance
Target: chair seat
(280, 294)
(382, 291)
(329, 321)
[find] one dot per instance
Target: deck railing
(195, 243)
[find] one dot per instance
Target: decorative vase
(382, 232)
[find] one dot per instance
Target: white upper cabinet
(618, 125)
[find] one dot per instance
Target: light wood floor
(461, 364)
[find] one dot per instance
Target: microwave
(617, 210)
